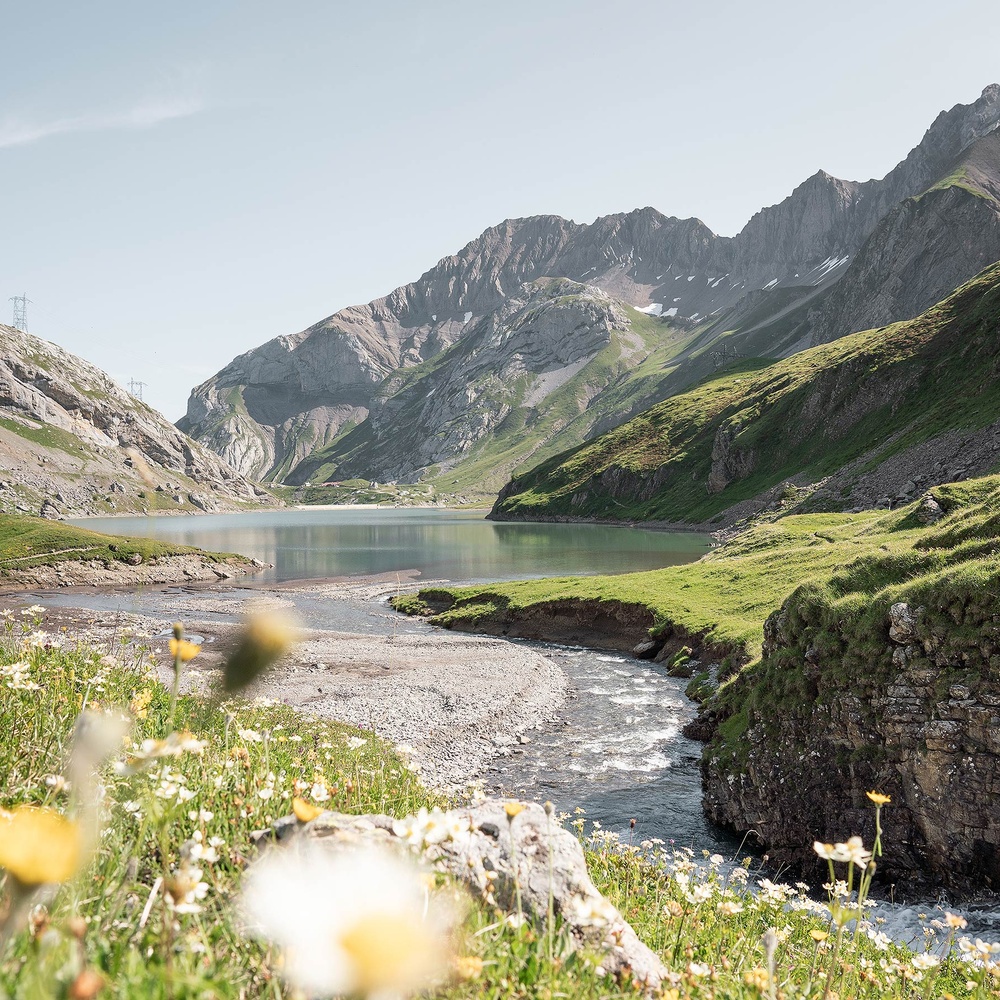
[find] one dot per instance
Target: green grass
(48, 437)
(112, 918)
(34, 541)
(726, 595)
(869, 395)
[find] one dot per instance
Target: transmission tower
(722, 358)
(20, 312)
(135, 387)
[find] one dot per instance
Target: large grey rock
(548, 860)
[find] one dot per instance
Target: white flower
(699, 969)
(925, 961)
(590, 911)
(319, 792)
(250, 735)
(423, 829)
(355, 742)
(352, 922)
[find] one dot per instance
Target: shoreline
(450, 703)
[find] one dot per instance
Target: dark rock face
(921, 723)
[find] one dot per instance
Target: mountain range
(543, 333)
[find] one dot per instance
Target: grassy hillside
(867, 396)
(727, 595)
(34, 541)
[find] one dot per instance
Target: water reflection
(440, 544)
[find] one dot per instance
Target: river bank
(452, 703)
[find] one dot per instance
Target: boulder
(548, 860)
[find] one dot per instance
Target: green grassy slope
(750, 428)
(858, 561)
(34, 541)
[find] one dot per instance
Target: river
(616, 752)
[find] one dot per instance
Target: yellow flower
(39, 845)
(304, 811)
(468, 967)
(512, 809)
(818, 935)
(183, 650)
(878, 798)
(268, 635)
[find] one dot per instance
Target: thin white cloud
(144, 115)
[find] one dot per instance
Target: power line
(20, 312)
(135, 387)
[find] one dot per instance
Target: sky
(181, 182)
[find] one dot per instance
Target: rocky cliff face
(514, 383)
(74, 442)
(906, 701)
(833, 257)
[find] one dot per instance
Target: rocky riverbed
(453, 702)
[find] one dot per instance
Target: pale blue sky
(181, 182)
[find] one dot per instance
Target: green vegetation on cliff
(860, 399)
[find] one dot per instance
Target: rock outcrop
(73, 442)
(547, 862)
(903, 699)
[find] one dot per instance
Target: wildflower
(758, 978)
(352, 922)
(954, 921)
(467, 967)
(250, 735)
(319, 792)
(590, 911)
(730, 907)
(512, 809)
(266, 638)
(698, 969)
(423, 829)
(304, 811)
(878, 798)
(817, 935)
(355, 743)
(185, 889)
(173, 745)
(925, 961)
(39, 845)
(184, 650)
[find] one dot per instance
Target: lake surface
(439, 544)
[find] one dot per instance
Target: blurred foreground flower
(267, 637)
(355, 922)
(39, 846)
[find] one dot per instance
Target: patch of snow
(434, 317)
(468, 316)
(771, 283)
(657, 278)
(653, 309)
(677, 299)
(718, 281)
(671, 312)
(691, 278)
(678, 278)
